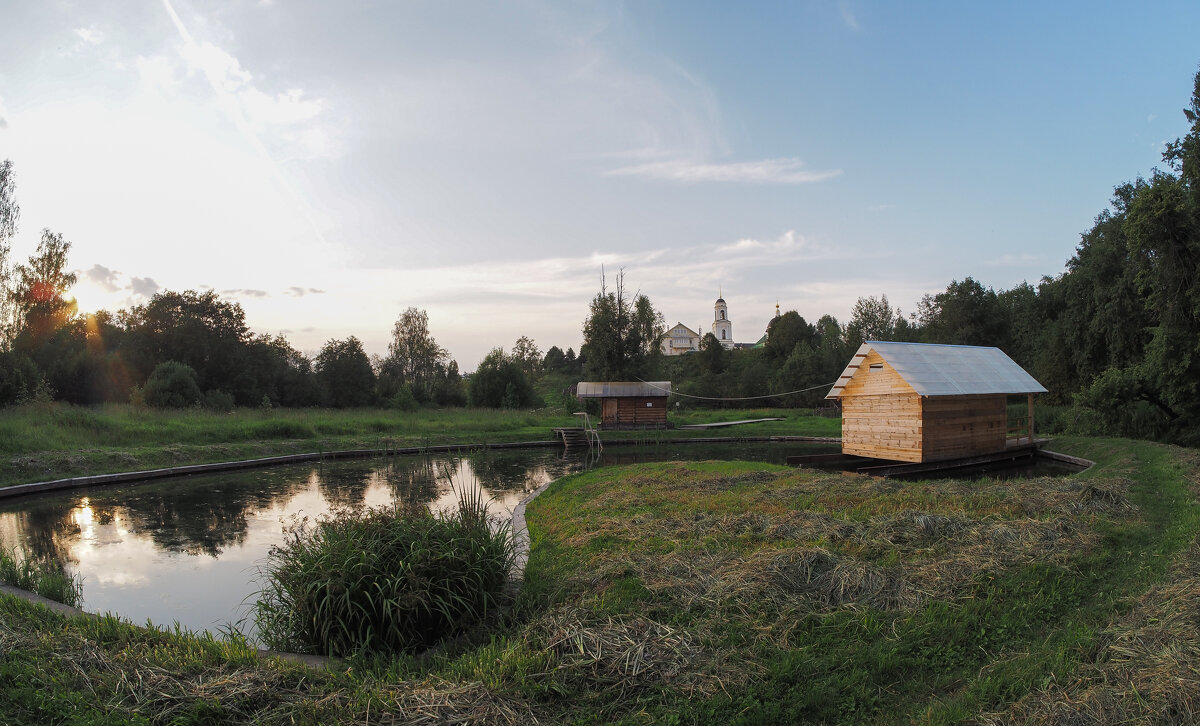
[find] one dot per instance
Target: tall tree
(872, 319)
(344, 371)
(42, 306)
(414, 357)
(621, 337)
(198, 329)
(967, 313)
(785, 331)
(525, 352)
(10, 212)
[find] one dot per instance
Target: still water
(189, 549)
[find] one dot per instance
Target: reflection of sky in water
(188, 550)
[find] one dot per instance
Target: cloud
(90, 35)
(3, 122)
(284, 123)
(103, 277)
(143, 286)
(302, 291)
(243, 292)
(848, 15)
(766, 171)
(1011, 260)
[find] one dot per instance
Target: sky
(328, 165)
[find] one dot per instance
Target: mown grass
(48, 441)
(744, 593)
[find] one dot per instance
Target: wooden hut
(625, 405)
(921, 403)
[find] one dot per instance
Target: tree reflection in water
(187, 548)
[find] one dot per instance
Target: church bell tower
(722, 327)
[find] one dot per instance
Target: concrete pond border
(520, 530)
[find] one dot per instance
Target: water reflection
(188, 549)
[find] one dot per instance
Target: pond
(188, 550)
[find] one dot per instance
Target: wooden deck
(1015, 450)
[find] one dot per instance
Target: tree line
(1116, 336)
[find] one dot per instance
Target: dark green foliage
(171, 385)
(198, 329)
(621, 337)
(500, 382)
(385, 581)
(345, 374)
(967, 313)
(785, 332)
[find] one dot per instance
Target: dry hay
(832, 580)
(1146, 669)
(630, 653)
(125, 681)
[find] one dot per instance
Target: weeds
(44, 577)
(385, 580)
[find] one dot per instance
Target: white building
(722, 327)
(679, 340)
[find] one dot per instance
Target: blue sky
(328, 165)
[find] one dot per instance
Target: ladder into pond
(580, 437)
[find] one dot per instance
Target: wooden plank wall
(881, 414)
(882, 426)
(635, 412)
(957, 426)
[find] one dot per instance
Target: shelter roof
(945, 370)
(623, 389)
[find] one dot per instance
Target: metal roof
(945, 370)
(622, 389)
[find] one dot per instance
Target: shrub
(218, 401)
(44, 577)
(171, 385)
(382, 580)
(499, 382)
(403, 400)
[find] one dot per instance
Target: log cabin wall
(882, 426)
(959, 426)
(634, 412)
(881, 414)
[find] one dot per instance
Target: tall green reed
(386, 580)
(45, 577)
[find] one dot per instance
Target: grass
(43, 441)
(43, 577)
(711, 592)
(385, 581)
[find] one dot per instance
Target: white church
(681, 339)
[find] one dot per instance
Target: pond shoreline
(17, 490)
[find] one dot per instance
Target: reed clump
(393, 580)
(44, 577)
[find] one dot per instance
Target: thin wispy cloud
(848, 16)
(296, 291)
(244, 292)
(1011, 260)
(90, 35)
(766, 171)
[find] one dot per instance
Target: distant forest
(1116, 337)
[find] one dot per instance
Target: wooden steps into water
(572, 437)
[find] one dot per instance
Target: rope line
(738, 398)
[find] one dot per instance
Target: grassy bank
(50, 441)
(741, 593)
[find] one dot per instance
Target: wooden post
(1031, 419)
